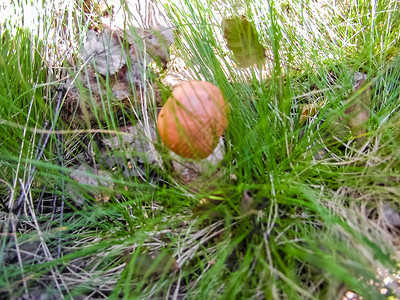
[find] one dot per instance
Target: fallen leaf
(247, 202)
(207, 205)
(89, 6)
(392, 216)
(242, 38)
(158, 41)
(84, 174)
(132, 154)
(190, 170)
(156, 32)
(104, 52)
(355, 117)
(121, 90)
(136, 143)
(358, 114)
(309, 110)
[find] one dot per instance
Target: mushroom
(193, 119)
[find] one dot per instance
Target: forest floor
(297, 198)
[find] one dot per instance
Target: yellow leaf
(242, 38)
(309, 110)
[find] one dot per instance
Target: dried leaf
(392, 216)
(104, 52)
(99, 6)
(158, 42)
(121, 90)
(207, 205)
(84, 175)
(156, 32)
(309, 110)
(242, 38)
(136, 143)
(247, 203)
(358, 114)
(355, 117)
(190, 170)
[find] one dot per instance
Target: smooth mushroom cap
(193, 119)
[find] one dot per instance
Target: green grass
(314, 226)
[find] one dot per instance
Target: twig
(11, 199)
(46, 250)
(41, 200)
(316, 92)
(39, 153)
(14, 229)
(51, 131)
(176, 293)
(60, 160)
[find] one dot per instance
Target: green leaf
(242, 38)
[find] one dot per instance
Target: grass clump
(302, 209)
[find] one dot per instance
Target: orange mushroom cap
(193, 119)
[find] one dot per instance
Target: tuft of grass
(298, 211)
